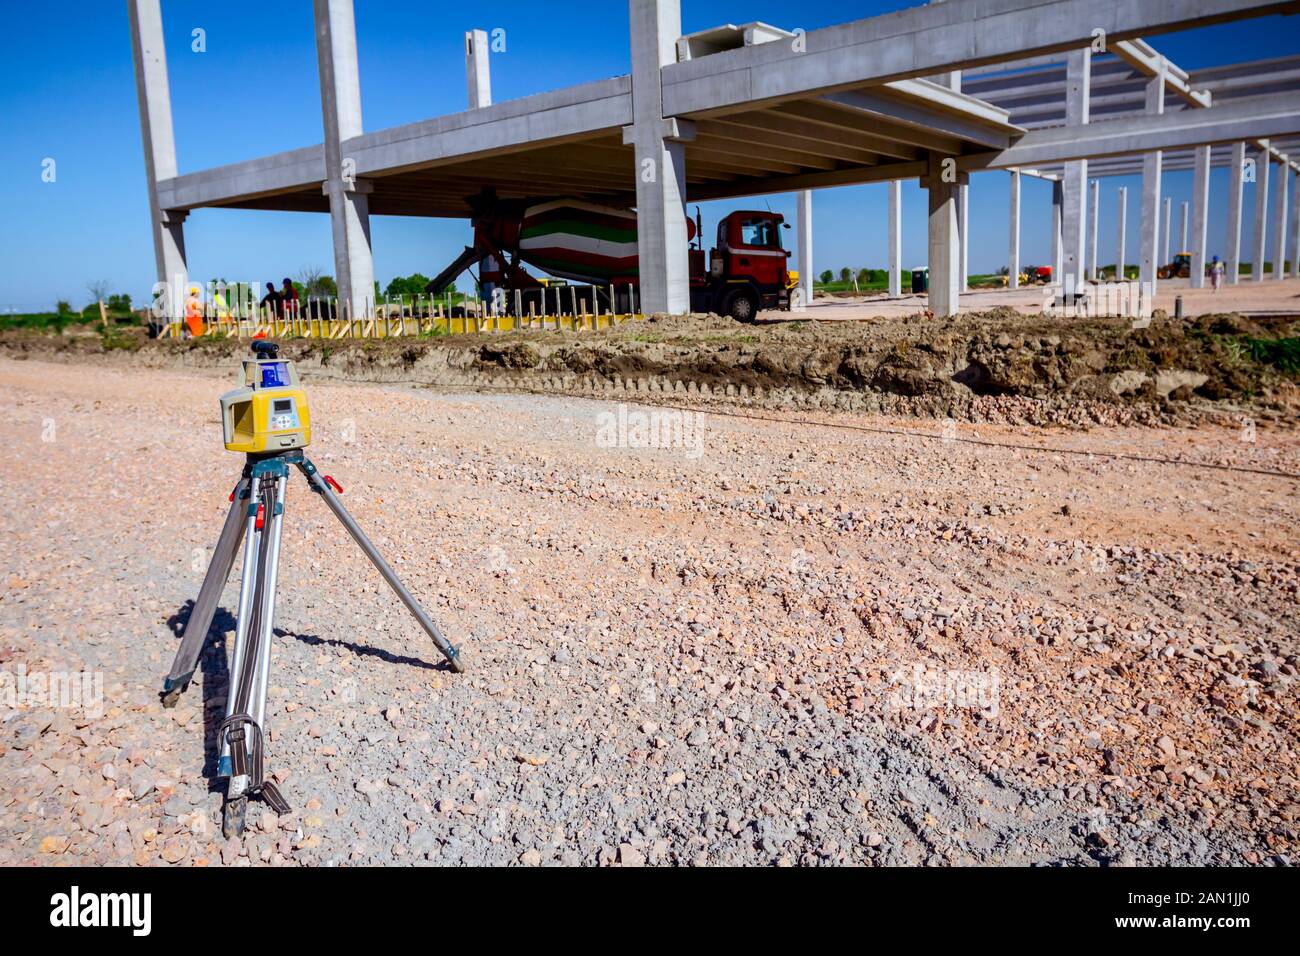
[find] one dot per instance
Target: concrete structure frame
(753, 109)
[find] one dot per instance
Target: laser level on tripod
(268, 420)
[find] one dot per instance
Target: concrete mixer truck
(596, 247)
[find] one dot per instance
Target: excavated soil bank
(992, 366)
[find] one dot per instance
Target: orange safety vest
(194, 315)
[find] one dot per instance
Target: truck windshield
(759, 232)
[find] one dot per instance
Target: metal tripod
(256, 515)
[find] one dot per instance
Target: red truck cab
(747, 268)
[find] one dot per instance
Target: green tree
(826, 277)
(407, 285)
(846, 274)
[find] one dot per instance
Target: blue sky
(67, 93)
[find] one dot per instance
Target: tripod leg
(242, 733)
(319, 485)
(248, 587)
(267, 616)
(205, 606)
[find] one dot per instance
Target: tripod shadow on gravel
(363, 650)
(214, 665)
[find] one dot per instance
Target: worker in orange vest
(194, 312)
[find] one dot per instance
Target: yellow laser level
(269, 414)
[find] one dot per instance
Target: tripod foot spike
(234, 816)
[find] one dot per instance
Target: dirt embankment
(999, 365)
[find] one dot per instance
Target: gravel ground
(780, 645)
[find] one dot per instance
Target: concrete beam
(340, 91)
(1261, 216)
(1141, 56)
(1013, 250)
(1282, 221)
(1200, 215)
(1247, 118)
(923, 41)
(943, 262)
(154, 96)
(895, 238)
(804, 230)
(478, 74)
(656, 138)
(1235, 181)
(1182, 226)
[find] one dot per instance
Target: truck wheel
(742, 306)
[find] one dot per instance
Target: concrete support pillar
(1149, 254)
(1283, 220)
(1295, 230)
(1200, 214)
(1122, 239)
(1261, 214)
(478, 75)
(963, 235)
(154, 96)
(1058, 212)
(1168, 229)
(1074, 227)
(664, 269)
(340, 96)
(1236, 170)
(944, 248)
(895, 238)
(1013, 250)
(803, 229)
(1182, 228)
(1093, 210)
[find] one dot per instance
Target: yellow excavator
(1180, 268)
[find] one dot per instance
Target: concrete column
(1074, 227)
(1094, 201)
(944, 258)
(895, 238)
(1283, 220)
(1261, 214)
(1122, 239)
(1013, 251)
(1200, 214)
(963, 234)
(1235, 178)
(478, 75)
(1295, 230)
(154, 96)
(657, 141)
(340, 96)
(1168, 228)
(1149, 254)
(803, 229)
(1182, 228)
(1058, 250)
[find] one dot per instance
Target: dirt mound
(997, 365)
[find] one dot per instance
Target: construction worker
(1216, 273)
(271, 301)
(288, 300)
(194, 311)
